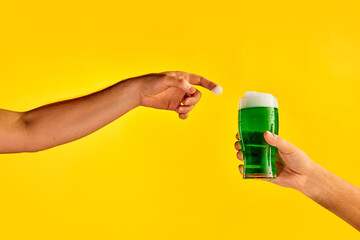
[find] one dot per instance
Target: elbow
(33, 145)
(34, 149)
(36, 142)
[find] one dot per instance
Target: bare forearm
(62, 122)
(335, 194)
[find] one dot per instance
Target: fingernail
(270, 134)
(217, 90)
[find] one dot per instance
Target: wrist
(312, 181)
(131, 90)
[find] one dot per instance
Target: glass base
(259, 176)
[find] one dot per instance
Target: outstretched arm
(66, 121)
(298, 171)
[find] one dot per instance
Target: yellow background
(150, 175)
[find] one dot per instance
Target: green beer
(258, 112)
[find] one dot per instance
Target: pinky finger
(183, 115)
(184, 109)
(241, 169)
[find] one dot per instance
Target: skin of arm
(58, 123)
(296, 170)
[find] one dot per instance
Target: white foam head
(256, 99)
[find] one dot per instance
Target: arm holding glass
(296, 170)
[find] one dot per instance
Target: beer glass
(258, 112)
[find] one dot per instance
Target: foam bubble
(256, 99)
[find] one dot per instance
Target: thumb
(180, 83)
(283, 146)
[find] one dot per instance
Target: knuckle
(179, 75)
(162, 76)
(182, 83)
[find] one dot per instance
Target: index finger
(198, 80)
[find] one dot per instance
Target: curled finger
(184, 109)
(192, 99)
(241, 169)
(237, 146)
(183, 115)
(239, 155)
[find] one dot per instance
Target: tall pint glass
(258, 112)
